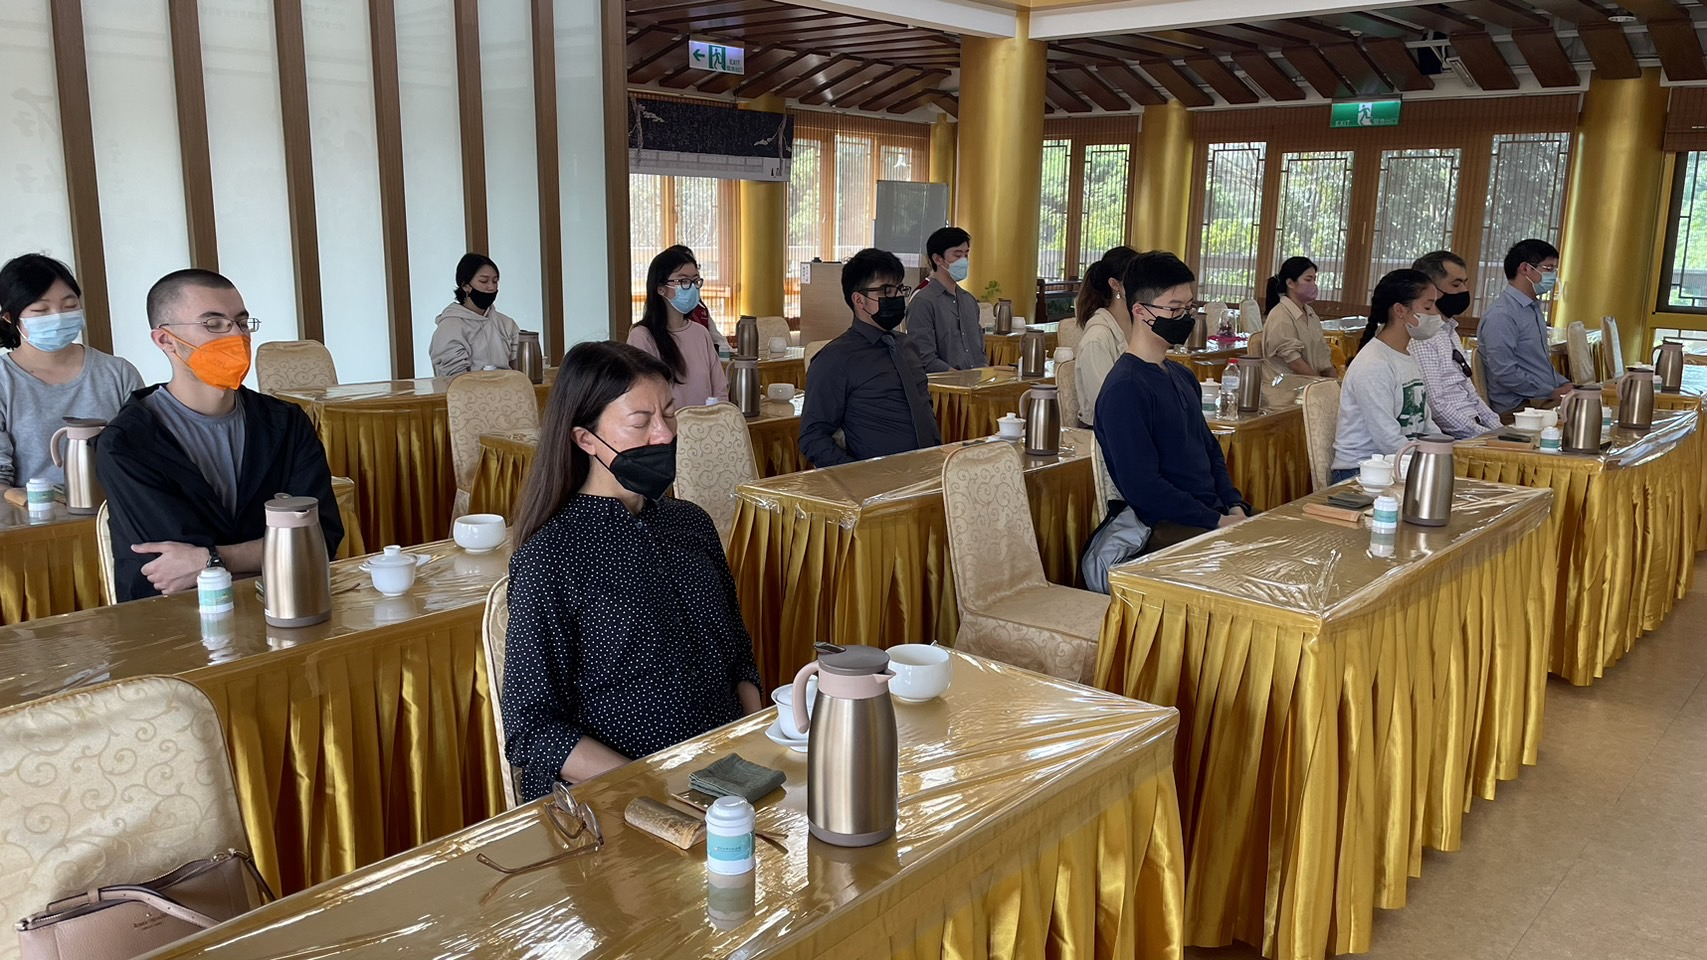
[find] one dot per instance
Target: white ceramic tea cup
(1375, 473)
(780, 392)
(479, 532)
(393, 571)
(1528, 420)
(922, 672)
(783, 697)
(1011, 427)
(779, 346)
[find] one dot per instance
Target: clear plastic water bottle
(1229, 401)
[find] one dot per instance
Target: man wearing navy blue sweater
(1149, 417)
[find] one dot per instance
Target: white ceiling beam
(966, 18)
(1100, 19)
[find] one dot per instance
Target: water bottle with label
(1229, 402)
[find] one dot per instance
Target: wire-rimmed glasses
(220, 326)
(576, 824)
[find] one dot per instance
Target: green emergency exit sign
(1365, 113)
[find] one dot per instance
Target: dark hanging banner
(687, 139)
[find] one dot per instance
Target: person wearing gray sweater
(47, 375)
(471, 334)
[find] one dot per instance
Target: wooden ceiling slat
(1610, 51)
(650, 44)
(1125, 49)
(947, 104)
(921, 82)
(837, 89)
(1350, 63)
(695, 13)
(1395, 60)
(1308, 30)
(1086, 84)
(838, 68)
(657, 8)
(1059, 95)
(799, 65)
(1197, 41)
(681, 77)
(1316, 71)
(1261, 68)
(759, 63)
(1571, 11)
(1654, 9)
(1546, 57)
(1679, 49)
(1484, 61)
(1437, 17)
(1130, 83)
(667, 59)
(1370, 25)
(914, 102)
(1222, 79)
(770, 28)
(866, 47)
(1500, 14)
(1177, 83)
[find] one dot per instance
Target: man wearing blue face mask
(943, 319)
(48, 375)
(1512, 339)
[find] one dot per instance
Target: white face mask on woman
(1426, 326)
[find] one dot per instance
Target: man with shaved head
(188, 465)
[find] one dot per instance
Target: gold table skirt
(1627, 538)
(398, 453)
(1321, 752)
(53, 568)
(1037, 818)
(1003, 349)
(808, 571)
(970, 412)
(1266, 455)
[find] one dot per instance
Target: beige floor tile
(1580, 939)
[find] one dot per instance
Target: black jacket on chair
(156, 493)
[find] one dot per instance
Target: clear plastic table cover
(1627, 448)
(1287, 560)
(168, 635)
(1004, 754)
(850, 490)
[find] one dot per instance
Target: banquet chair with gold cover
(770, 328)
(294, 365)
(1321, 421)
(486, 401)
(1067, 393)
(1250, 317)
(104, 554)
(1069, 333)
(1253, 346)
(1008, 610)
(494, 628)
(1478, 372)
(714, 456)
(812, 351)
(1611, 350)
(1579, 355)
(112, 784)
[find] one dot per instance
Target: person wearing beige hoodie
(1105, 329)
(471, 334)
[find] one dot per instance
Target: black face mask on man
(646, 470)
(1175, 330)
(890, 312)
(1453, 304)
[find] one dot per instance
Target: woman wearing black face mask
(625, 636)
(471, 334)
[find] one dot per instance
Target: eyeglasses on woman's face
(683, 283)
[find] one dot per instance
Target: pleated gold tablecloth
(788, 368)
(393, 439)
(969, 402)
(859, 553)
(1266, 454)
(1037, 818)
(352, 740)
(1209, 362)
(1002, 349)
(1627, 524)
(506, 457)
(1339, 708)
(53, 566)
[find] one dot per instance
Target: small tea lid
(288, 511)
(851, 661)
(393, 557)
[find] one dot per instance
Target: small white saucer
(776, 736)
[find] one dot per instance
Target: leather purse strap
(83, 904)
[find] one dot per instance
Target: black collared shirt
(857, 389)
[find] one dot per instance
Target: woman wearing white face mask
(1383, 403)
(48, 375)
(688, 349)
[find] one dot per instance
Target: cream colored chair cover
(1104, 480)
(1253, 347)
(1008, 610)
(1069, 333)
(714, 456)
(1578, 353)
(1250, 317)
(294, 365)
(1478, 374)
(1321, 423)
(1611, 350)
(486, 401)
(494, 629)
(104, 552)
(1213, 311)
(116, 783)
(772, 327)
(812, 351)
(1067, 393)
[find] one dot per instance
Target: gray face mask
(1425, 328)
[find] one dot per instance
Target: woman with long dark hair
(688, 349)
(1383, 402)
(47, 375)
(625, 636)
(1107, 322)
(471, 334)
(1292, 341)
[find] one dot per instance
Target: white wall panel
(135, 119)
(251, 207)
(512, 159)
(32, 163)
(346, 188)
(432, 162)
(581, 171)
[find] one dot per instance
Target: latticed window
(1103, 193)
(1315, 213)
(1686, 244)
(1415, 208)
(1232, 207)
(698, 212)
(1526, 198)
(1052, 215)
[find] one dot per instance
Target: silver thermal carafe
(1636, 398)
(1004, 315)
(744, 385)
(852, 753)
(1033, 353)
(1250, 384)
(1199, 338)
(747, 337)
(1042, 410)
(1668, 363)
(1579, 415)
(529, 359)
(295, 569)
(83, 493)
(1428, 481)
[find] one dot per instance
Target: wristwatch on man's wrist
(213, 558)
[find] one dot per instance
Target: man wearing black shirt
(869, 382)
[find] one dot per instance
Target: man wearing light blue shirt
(1512, 339)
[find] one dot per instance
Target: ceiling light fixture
(1621, 15)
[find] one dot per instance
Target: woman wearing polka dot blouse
(625, 635)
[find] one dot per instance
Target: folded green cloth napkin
(735, 776)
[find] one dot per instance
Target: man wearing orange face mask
(188, 465)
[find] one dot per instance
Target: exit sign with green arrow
(1367, 113)
(716, 57)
